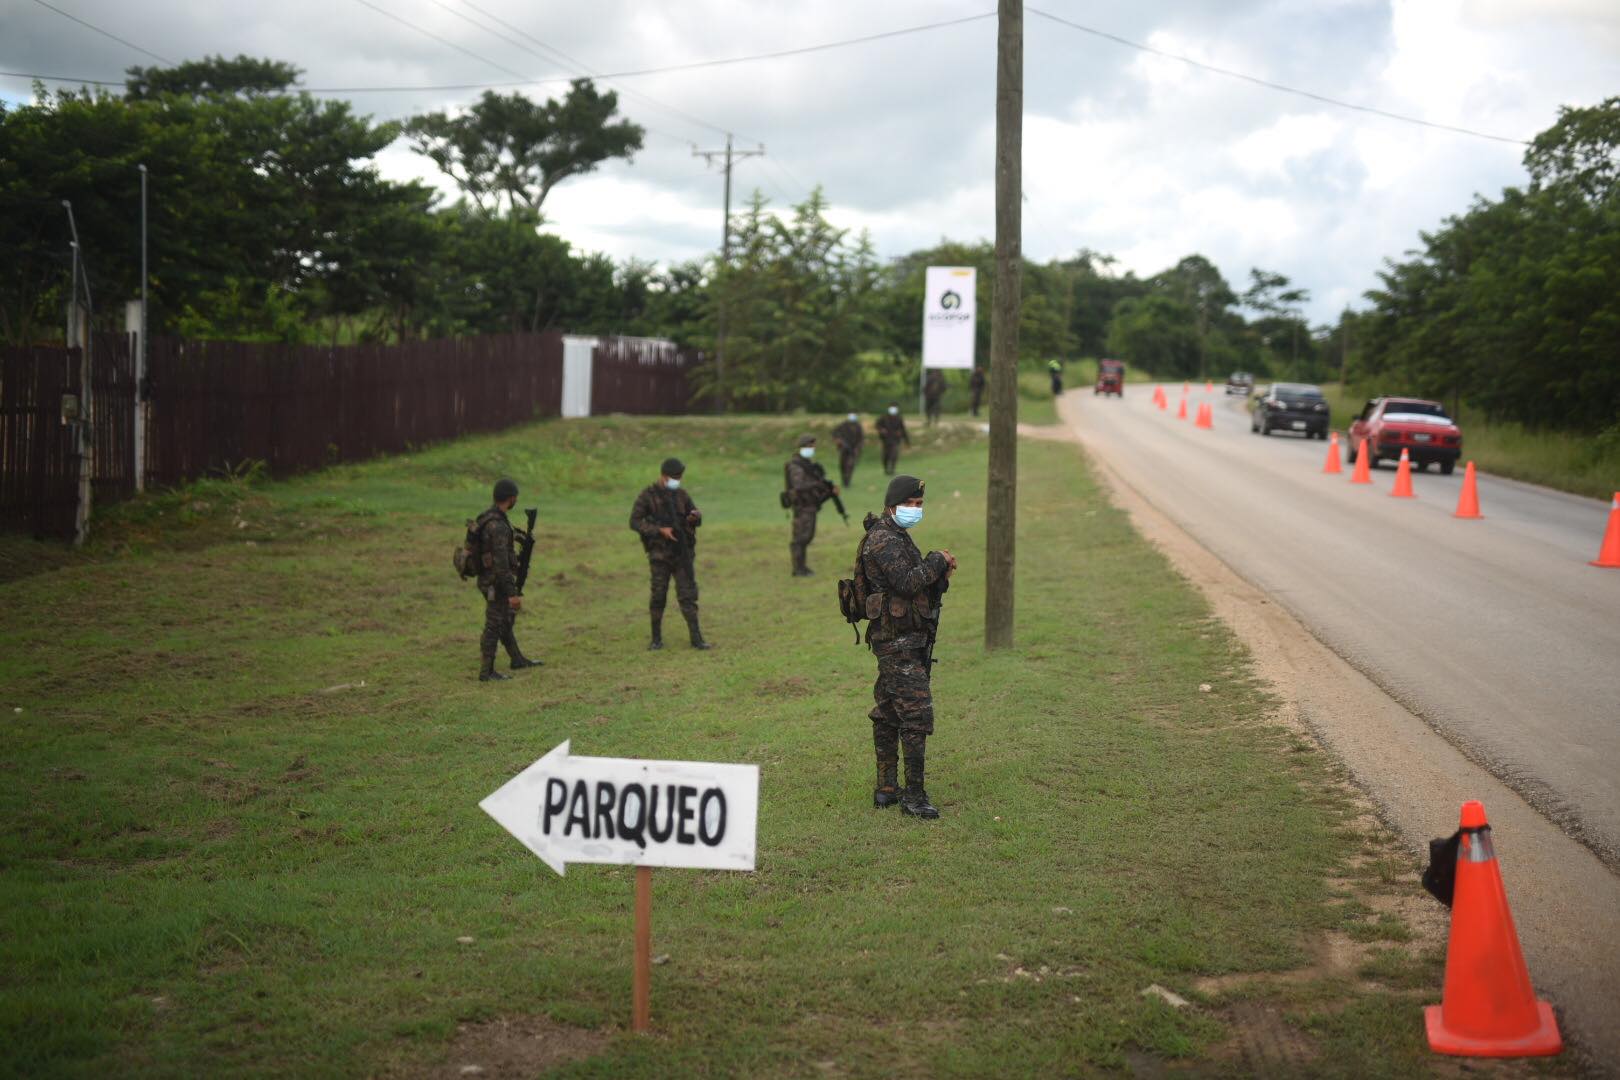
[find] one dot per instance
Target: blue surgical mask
(852, 416)
(894, 410)
(673, 484)
(807, 452)
(907, 516)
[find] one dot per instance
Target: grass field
(244, 750)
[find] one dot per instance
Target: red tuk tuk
(1110, 377)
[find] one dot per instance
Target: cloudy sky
(1125, 152)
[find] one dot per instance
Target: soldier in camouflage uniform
(667, 521)
(904, 586)
(933, 390)
(891, 430)
(849, 438)
(806, 488)
(497, 580)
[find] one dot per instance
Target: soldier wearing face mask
(891, 430)
(806, 487)
(667, 521)
(902, 587)
(849, 437)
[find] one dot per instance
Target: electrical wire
(441, 40)
(1268, 84)
(105, 34)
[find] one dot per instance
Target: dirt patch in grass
(519, 1046)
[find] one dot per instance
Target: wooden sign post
(628, 811)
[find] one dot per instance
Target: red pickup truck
(1421, 428)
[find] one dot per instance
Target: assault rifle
(684, 541)
(936, 599)
(525, 543)
(838, 504)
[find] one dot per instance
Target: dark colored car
(1110, 378)
(1240, 382)
(1421, 428)
(1291, 407)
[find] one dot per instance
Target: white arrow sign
(626, 810)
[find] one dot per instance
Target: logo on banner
(951, 300)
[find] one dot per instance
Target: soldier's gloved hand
(667, 533)
(515, 603)
(694, 517)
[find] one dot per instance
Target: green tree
(507, 146)
(1157, 332)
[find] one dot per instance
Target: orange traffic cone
(1209, 386)
(1206, 416)
(1363, 473)
(1186, 388)
(1158, 397)
(1403, 479)
(1468, 499)
(1489, 1008)
(1609, 553)
(1181, 412)
(1332, 464)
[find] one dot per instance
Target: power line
(1269, 85)
(103, 33)
(441, 40)
(606, 76)
(576, 63)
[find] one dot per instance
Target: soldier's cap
(902, 488)
(807, 440)
(672, 467)
(505, 489)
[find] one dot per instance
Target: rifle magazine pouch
(874, 605)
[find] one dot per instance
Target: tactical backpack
(854, 591)
(469, 556)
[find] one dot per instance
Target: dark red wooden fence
(215, 406)
(645, 376)
(39, 454)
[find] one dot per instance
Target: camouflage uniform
(849, 437)
(976, 384)
(891, 430)
(657, 508)
(904, 711)
(807, 488)
(933, 390)
(498, 582)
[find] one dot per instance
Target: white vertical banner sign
(949, 316)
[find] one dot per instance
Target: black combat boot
(487, 672)
(657, 632)
(887, 743)
(914, 799)
(799, 568)
(519, 662)
(696, 634)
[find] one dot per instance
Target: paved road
(1496, 632)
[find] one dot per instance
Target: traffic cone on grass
(1489, 1008)
(1332, 464)
(1468, 499)
(1403, 479)
(1609, 553)
(1181, 410)
(1206, 416)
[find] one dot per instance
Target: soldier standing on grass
(933, 390)
(806, 488)
(849, 437)
(906, 585)
(891, 430)
(976, 384)
(497, 580)
(667, 521)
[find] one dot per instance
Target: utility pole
(728, 156)
(140, 359)
(1001, 501)
(81, 328)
